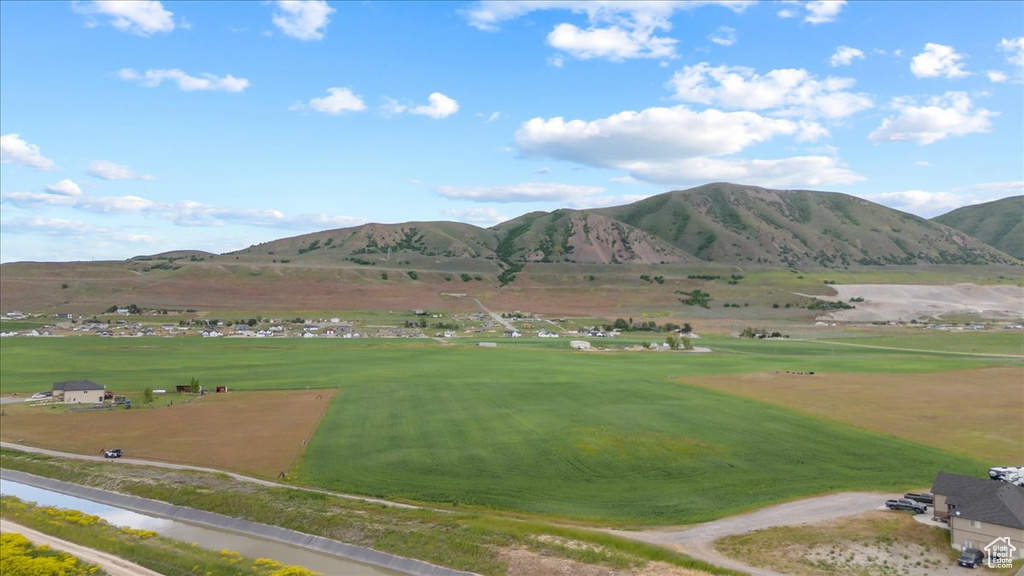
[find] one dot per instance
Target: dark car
(970, 558)
(922, 497)
(906, 504)
(115, 453)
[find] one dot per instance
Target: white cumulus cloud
(139, 17)
(484, 217)
(525, 192)
(302, 19)
(613, 42)
(822, 11)
(996, 76)
(922, 202)
(724, 36)
(938, 60)
(337, 101)
(14, 150)
(787, 91)
(64, 187)
(1015, 49)
(952, 114)
(439, 106)
(205, 81)
(107, 170)
(616, 29)
(1011, 186)
(181, 213)
(676, 145)
(845, 56)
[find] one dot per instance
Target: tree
(621, 324)
(672, 341)
(193, 386)
(686, 343)
(687, 328)
(147, 395)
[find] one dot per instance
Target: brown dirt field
(256, 433)
(974, 412)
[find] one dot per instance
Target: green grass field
(530, 426)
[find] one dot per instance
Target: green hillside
(736, 224)
(999, 223)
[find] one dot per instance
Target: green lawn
(531, 426)
(998, 342)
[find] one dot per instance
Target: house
(78, 391)
(512, 334)
(980, 511)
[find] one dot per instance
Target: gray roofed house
(980, 510)
(78, 391)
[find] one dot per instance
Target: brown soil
(966, 411)
(255, 433)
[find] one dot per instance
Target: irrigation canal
(216, 532)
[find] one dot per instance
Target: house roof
(76, 385)
(981, 499)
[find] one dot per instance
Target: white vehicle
(1012, 474)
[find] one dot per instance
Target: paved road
(697, 540)
(110, 564)
(497, 317)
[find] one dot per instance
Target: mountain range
(720, 223)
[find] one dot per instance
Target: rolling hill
(721, 223)
(999, 223)
(735, 224)
(588, 260)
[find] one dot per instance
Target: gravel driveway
(697, 540)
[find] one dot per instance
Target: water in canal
(208, 538)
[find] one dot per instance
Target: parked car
(970, 558)
(115, 453)
(922, 497)
(906, 504)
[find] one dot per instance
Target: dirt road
(698, 540)
(171, 466)
(110, 564)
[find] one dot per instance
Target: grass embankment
(874, 544)
(21, 557)
(465, 541)
(143, 547)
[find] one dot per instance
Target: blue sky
(138, 127)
